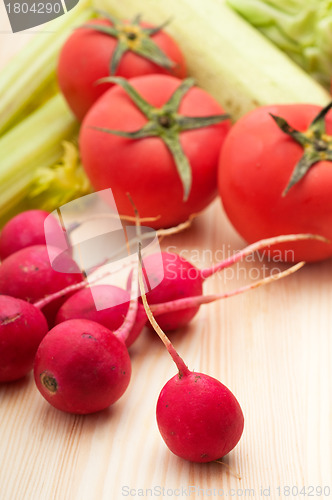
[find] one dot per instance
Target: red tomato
(85, 58)
(145, 167)
(255, 166)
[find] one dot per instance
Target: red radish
(82, 305)
(29, 275)
(24, 230)
(109, 46)
(81, 367)
(183, 280)
(198, 417)
(22, 327)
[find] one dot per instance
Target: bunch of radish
(49, 322)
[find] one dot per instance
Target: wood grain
(272, 347)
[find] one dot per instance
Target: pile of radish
(146, 130)
(49, 321)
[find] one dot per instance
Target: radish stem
(182, 367)
(254, 247)
(123, 331)
(198, 300)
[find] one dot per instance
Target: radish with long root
(198, 417)
(182, 280)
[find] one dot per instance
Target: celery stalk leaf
(54, 186)
(302, 29)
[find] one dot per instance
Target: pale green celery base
(36, 142)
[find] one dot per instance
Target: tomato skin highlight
(145, 168)
(255, 166)
(86, 56)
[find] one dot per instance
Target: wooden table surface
(272, 347)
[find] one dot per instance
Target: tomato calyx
(317, 145)
(132, 37)
(167, 124)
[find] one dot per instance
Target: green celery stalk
(301, 28)
(32, 147)
(36, 169)
(30, 77)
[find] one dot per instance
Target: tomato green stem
(156, 29)
(107, 15)
(176, 98)
(167, 124)
(317, 145)
(173, 143)
(132, 37)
